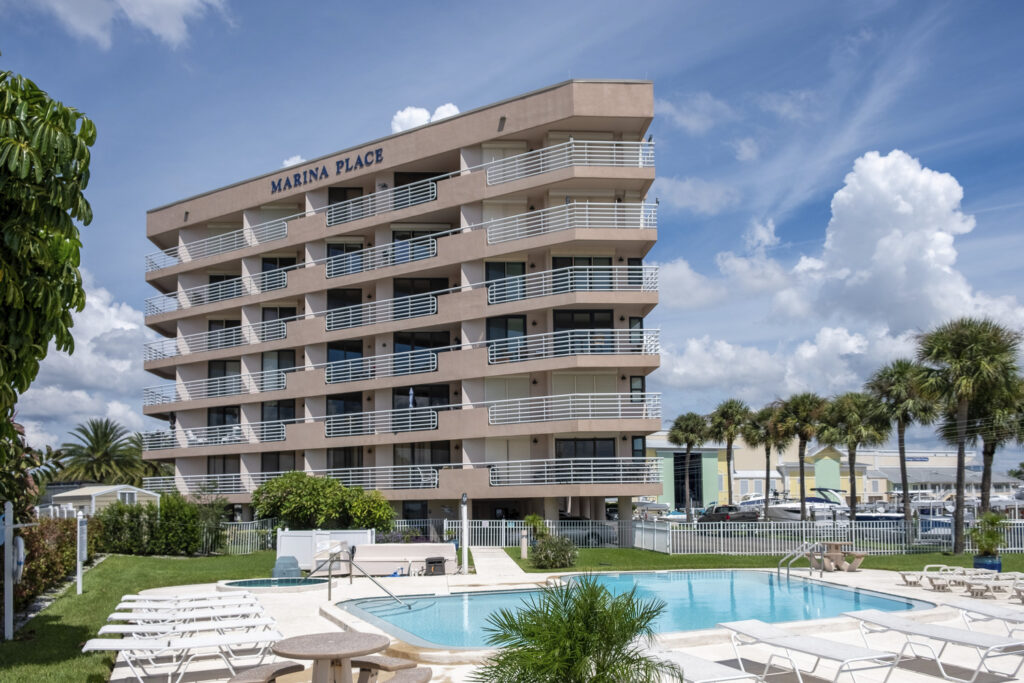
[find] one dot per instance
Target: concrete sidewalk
(494, 562)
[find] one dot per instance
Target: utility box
(434, 566)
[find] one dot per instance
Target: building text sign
(351, 163)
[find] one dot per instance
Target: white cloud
(292, 160)
(756, 271)
(694, 194)
(94, 19)
(794, 105)
(746, 149)
(682, 287)
(411, 117)
(696, 114)
(706, 364)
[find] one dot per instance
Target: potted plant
(538, 525)
(987, 535)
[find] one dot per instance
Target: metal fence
(239, 538)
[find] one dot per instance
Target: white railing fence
(569, 216)
(382, 256)
(572, 343)
(638, 406)
(239, 538)
(380, 422)
(218, 244)
(392, 199)
(571, 153)
(573, 279)
(575, 471)
(371, 313)
(218, 291)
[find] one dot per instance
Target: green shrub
(553, 552)
(987, 534)
(536, 522)
(367, 510)
(178, 531)
(50, 556)
(173, 528)
(300, 501)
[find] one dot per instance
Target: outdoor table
(332, 652)
(836, 552)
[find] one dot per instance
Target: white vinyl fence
(304, 545)
(239, 538)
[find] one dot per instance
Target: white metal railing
(214, 387)
(379, 478)
(218, 291)
(569, 216)
(571, 153)
(380, 422)
(219, 435)
(575, 471)
(269, 330)
(387, 310)
(374, 367)
(645, 406)
(573, 279)
(382, 256)
(572, 343)
(218, 244)
(392, 199)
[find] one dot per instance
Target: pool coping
(669, 640)
(223, 586)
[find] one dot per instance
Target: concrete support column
(551, 509)
(625, 521)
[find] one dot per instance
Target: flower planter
(988, 562)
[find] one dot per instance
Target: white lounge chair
(185, 604)
(1012, 618)
(184, 651)
(851, 658)
(153, 630)
(163, 616)
(184, 597)
(987, 645)
(699, 670)
(914, 578)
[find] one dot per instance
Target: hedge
(50, 549)
(173, 528)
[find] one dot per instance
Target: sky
(833, 178)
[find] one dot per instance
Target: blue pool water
(695, 599)
(274, 583)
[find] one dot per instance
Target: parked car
(587, 533)
(727, 513)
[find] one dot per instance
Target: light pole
(465, 534)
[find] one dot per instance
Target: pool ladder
(803, 549)
(336, 556)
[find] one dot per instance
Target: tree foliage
(24, 473)
(44, 170)
(689, 430)
(725, 424)
(800, 416)
(104, 451)
(300, 501)
(852, 420)
(765, 428)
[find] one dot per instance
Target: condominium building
(455, 309)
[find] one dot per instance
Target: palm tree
(800, 415)
(24, 471)
(898, 386)
(689, 430)
(103, 452)
(855, 419)
(724, 424)
(964, 358)
(576, 633)
(764, 428)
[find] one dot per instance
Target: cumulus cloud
(695, 194)
(683, 288)
(94, 19)
(292, 160)
(696, 114)
(755, 271)
(746, 149)
(410, 117)
(102, 378)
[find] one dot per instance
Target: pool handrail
(801, 550)
(335, 556)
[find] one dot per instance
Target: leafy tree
(104, 451)
(852, 420)
(24, 474)
(800, 416)
(764, 428)
(44, 169)
(898, 386)
(724, 424)
(576, 633)
(689, 430)
(300, 501)
(965, 358)
(367, 510)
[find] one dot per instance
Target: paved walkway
(494, 562)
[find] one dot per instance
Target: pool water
(274, 583)
(695, 600)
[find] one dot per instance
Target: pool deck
(310, 612)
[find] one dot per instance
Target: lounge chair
(988, 646)
(168, 606)
(184, 651)
(754, 632)
(1018, 591)
(153, 630)
(699, 670)
(163, 616)
(183, 597)
(914, 578)
(1012, 618)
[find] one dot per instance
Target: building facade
(458, 308)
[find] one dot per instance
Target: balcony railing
(217, 291)
(392, 199)
(569, 216)
(375, 312)
(631, 406)
(572, 343)
(375, 367)
(219, 435)
(382, 256)
(218, 244)
(269, 330)
(575, 471)
(215, 387)
(571, 153)
(573, 279)
(380, 422)
(378, 478)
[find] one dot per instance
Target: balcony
(219, 435)
(392, 199)
(375, 312)
(570, 216)
(631, 406)
(219, 244)
(571, 153)
(575, 471)
(572, 343)
(376, 367)
(217, 291)
(378, 478)
(380, 422)
(382, 256)
(573, 279)
(214, 387)
(269, 330)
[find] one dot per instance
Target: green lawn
(626, 559)
(49, 647)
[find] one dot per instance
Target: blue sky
(766, 118)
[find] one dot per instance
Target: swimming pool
(275, 583)
(695, 599)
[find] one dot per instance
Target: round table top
(333, 645)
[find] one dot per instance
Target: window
(414, 509)
(345, 404)
(345, 258)
(229, 374)
(222, 415)
(339, 248)
(222, 287)
(271, 411)
(505, 290)
(344, 458)
(588, 272)
(278, 330)
(278, 360)
(423, 453)
(584, 448)
(639, 448)
(636, 335)
(339, 298)
(344, 350)
(758, 486)
(581, 320)
(343, 194)
(636, 275)
(637, 388)
(277, 462)
(421, 396)
(278, 313)
(744, 487)
(506, 326)
(126, 497)
(223, 464)
(420, 340)
(277, 262)
(411, 286)
(224, 333)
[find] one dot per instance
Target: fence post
(8, 570)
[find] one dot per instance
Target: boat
(828, 506)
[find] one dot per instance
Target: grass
(49, 647)
(633, 559)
